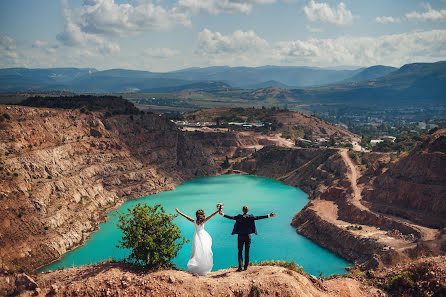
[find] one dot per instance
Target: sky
(166, 35)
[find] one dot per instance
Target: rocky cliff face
(340, 241)
(415, 186)
(329, 218)
(312, 170)
(221, 144)
(62, 170)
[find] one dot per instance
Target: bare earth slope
(115, 280)
(61, 170)
(422, 277)
(415, 186)
(289, 120)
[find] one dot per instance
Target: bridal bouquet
(220, 206)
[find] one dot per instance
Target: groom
(244, 226)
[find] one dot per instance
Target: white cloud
(387, 20)
(74, 36)
(43, 45)
(211, 43)
(221, 6)
(324, 13)
(235, 49)
(108, 17)
(395, 49)
(7, 48)
(429, 15)
(162, 53)
(39, 44)
(248, 49)
(314, 30)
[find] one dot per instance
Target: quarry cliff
(62, 170)
(64, 167)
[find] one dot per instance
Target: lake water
(276, 239)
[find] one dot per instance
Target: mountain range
(84, 80)
(416, 83)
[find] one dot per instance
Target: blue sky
(164, 35)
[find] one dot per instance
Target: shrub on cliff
(151, 235)
(418, 280)
(225, 163)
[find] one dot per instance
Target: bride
(201, 260)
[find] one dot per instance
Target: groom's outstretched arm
(265, 217)
(229, 217)
(226, 216)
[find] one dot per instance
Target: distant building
(236, 123)
(303, 142)
(193, 124)
(322, 141)
(247, 125)
(257, 124)
(373, 142)
(422, 125)
(389, 138)
(432, 126)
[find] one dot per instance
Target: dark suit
(244, 226)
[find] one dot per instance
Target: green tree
(225, 164)
(151, 235)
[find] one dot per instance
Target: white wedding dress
(201, 260)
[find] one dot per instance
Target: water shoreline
(206, 180)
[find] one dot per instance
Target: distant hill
(106, 84)
(413, 83)
(112, 104)
(418, 82)
(370, 73)
(205, 86)
(22, 79)
(118, 80)
(270, 83)
(247, 77)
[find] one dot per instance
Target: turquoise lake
(276, 239)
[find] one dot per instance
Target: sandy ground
(112, 279)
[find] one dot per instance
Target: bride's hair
(200, 216)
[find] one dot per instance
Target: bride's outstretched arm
(211, 216)
(187, 217)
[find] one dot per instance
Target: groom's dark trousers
(243, 240)
(244, 226)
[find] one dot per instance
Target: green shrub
(255, 291)
(225, 164)
(354, 227)
(151, 235)
(415, 281)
